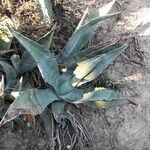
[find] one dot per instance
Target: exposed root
(81, 138)
(74, 135)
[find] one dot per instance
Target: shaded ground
(121, 128)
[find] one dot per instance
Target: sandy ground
(127, 127)
(119, 128)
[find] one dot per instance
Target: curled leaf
(31, 102)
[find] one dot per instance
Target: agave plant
(64, 85)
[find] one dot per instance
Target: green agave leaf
(79, 72)
(10, 75)
(31, 101)
(73, 95)
(99, 94)
(92, 52)
(82, 19)
(45, 60)
(106, 104)
(46, 40)
(58, 109)
(65, 89)
(15, 59)
(102, 11)
(47, 9)
(83, 35)
(48, 121)
(27, 61)
(75, 43)
(89, 69)
(100, 97)
(89, 53)
(2, 112)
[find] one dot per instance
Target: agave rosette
(82, 66)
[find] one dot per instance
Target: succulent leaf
(15, 59)
(74, 95)
(99, 94)
(83, 35)
(91, 68)
(48, 121)
(58, 109)
(92, 52)
(100, 97)
(102, 11)
(47, 9)
(105, 60)
(46, 40)
(2, 112)
(31, 101)
(27, 61)
(106, 104)
(11, 75)
(45, 60)
(69, 93)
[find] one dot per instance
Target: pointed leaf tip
(31, 101)
(45, 60)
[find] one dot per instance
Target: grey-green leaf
(92, 52)
(99, 94)
(46, 40)
(27, 61)
(58, 109)
(31, 101)
(2, 112)
(15, 59)
(10, 75)
(100, 97)
(89, 69)
(82, 36)
(45, 60)
(47, 9)
(48, 121)
(102, 11)
(74, 95)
